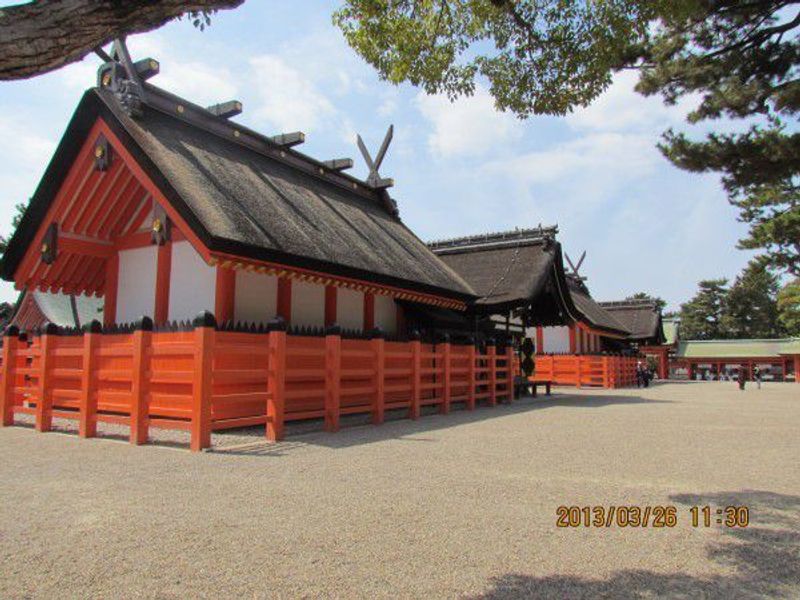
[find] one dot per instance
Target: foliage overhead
(739, 58)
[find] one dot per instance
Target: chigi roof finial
(374, 179)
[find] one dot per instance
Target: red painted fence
(203, 379)
(587, 370)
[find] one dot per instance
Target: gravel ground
(462, 505)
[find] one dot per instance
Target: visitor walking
(757, 376)
(741, 377)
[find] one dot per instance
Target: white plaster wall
(192, 283)
(308, 304)
(386, 314)
(349, 309)
(136, 291)
(256, 298)
(556, 339)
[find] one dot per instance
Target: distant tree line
(753, 306)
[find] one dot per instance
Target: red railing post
(416, 377)
(379, 397)
(491, 357)
(87, 422)
(333, 367)
(202, 381)
(606, 381)
(7, 392)
(471, 381)
(578, 370)
(446, 376)
(276, 381)
(510, 373)
(44, 403)
(140, 421)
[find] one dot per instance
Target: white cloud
(198, 82)
(287, 100)
(622, 108)
(592, 158)
(467, 127)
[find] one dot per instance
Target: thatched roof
(641, 317)
(245, 196)
(504, 269)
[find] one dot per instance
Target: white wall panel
(386, 314)
(192, 283)
(136, 292)
(256, 299)
(556, 339)
(308, 304)
(349, 309)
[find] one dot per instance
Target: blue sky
(459, 168)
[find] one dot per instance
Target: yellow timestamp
(728, 516)
(656, 517)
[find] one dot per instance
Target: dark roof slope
(267, 205)
(503, 268)
(641, 317)
(594, 314)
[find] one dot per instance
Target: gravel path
(449, 506)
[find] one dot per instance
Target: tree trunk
(42, 36)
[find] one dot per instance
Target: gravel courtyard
(449, 506)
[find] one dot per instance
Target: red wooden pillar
(471, 382)
(369, 311)
(333, 367)
(491, 352)
(87, 423)
(163, 271)
(44, 402)
(379, 399)
(285, 299)
(10, 348)
(140, 419)
(330, 305)
(416, 379)
(225, 295)
(276, 381)
(110, 292)
(663, 365)
(446, 377)
(797, 368)
(572, 344)
(539, 339)
(202, 384)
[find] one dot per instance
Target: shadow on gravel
(357, 430)
(764, 558)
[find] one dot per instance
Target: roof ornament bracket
(226, 110)
(287, 140)
(338, 164)
(123, 77)
(576, 268)
(374, 179)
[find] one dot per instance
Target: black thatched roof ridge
(640, 316)
(271, 204)
(496, 239)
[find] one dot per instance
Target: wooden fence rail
(202, 379)
(586, 370)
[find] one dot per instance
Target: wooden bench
(530, 386)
